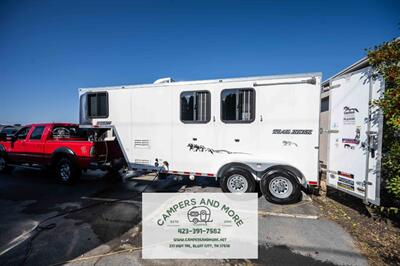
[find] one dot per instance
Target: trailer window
(97, 105)
(238, 105)
(325, 104)
(195, 106)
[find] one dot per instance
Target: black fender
(290, 169)
(62, 152)
(222, 170)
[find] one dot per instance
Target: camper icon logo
(199, 214)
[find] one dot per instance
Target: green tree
(385, 59)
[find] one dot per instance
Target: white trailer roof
(317, 74)
(363, 62)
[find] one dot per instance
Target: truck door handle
(237, 140)
(194, 139)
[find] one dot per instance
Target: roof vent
(163, 80)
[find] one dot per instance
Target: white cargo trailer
(355, 134)
(241, 130)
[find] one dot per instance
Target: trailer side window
(238, 105)
(97, 105)
(325, 104)
(195, 106)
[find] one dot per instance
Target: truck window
(22, 133)
(238, 105)
(195, 106)
(66, 132)
(97, 105)
(9, 131)
(37, 133)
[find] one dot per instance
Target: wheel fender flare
(62, 152)
(227, 166)
(290, 170)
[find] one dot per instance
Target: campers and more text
(203, 202)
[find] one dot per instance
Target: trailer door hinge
(369, 183)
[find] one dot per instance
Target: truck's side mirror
(3, 136)
(12, 138)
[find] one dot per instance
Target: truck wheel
(4, 167)
(237, 180)
(280, 187)
(66, 170)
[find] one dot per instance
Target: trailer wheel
(67, 171)
(237, 180)
(280, 187)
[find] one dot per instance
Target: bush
(385, 59)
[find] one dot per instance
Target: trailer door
(355, 141)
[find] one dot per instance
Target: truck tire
(280, 187)
(4, 167)
(67, 171)
(237, 180)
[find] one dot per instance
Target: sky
(49, 49)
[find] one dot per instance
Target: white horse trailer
(356, 130)
(241, 130)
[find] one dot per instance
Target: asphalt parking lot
(107, 231)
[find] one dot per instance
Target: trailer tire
(237, 180)
(280, 187)
(67, 171)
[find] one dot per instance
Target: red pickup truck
(62, 147)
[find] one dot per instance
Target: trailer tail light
(92, 151)
(313, 183)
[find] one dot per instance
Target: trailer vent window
(195, 106)
(142, 161)
(238, 105)
(97, 105)
(141, 143)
